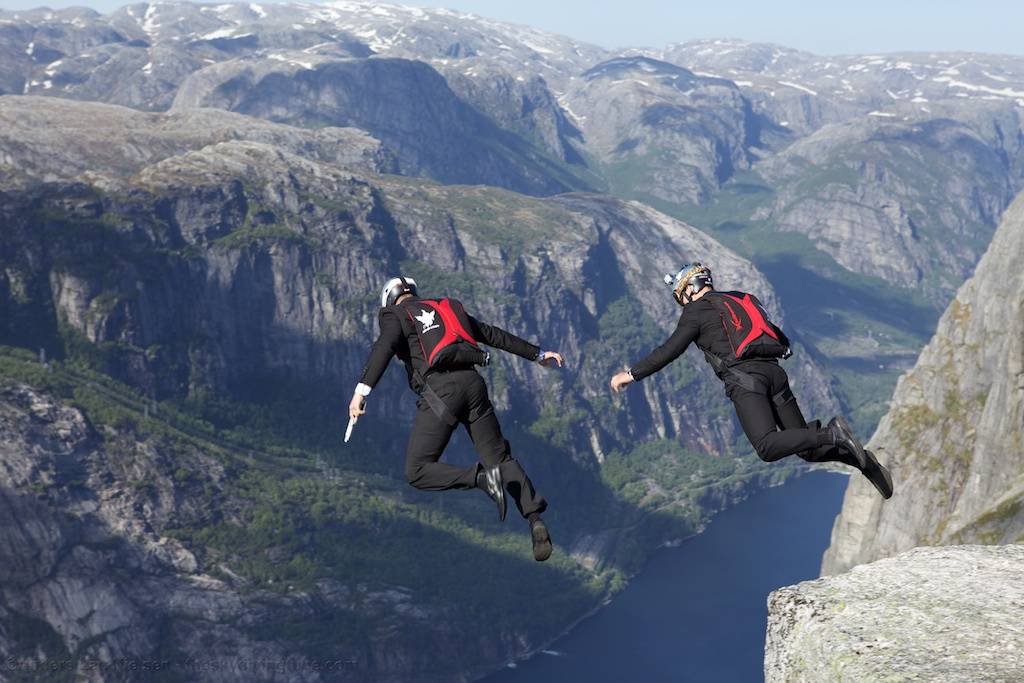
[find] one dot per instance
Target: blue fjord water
(698, 612)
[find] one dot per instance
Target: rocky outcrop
(86, 570)
(931, 614)
(954, 433)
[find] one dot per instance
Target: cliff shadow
(813, 300)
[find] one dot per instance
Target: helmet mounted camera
(696, 274)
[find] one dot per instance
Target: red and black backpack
(442, 327)
(751, 334)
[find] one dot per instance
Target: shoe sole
(541, 542)
(858, 450)
(884, 487)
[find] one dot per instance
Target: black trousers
(465, 394)
(771, 418)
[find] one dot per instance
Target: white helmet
(396, 287)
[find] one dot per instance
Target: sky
(824, 27)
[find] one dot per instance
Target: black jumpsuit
(765, 405)
(464, 393)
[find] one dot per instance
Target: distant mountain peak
(643, 63)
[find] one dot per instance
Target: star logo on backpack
(426, 319)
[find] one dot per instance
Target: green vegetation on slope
(665, 475)
(299, 526)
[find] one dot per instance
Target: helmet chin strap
(682, 298)
(406, 288)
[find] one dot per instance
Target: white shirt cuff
(363, 389)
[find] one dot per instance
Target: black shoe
(843, 436)
(489, 479)
(541, 540)
(878, 475)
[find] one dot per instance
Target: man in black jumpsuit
(758, 387)
(451, 395)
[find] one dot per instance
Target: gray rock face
(856, 189)
(404, 103)
(882, 161)
(521, 104)
(83, 554)
(91, 574)
(954, 433)
(930, 614)
(659, 127)
(282, 63)
(51, 139)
